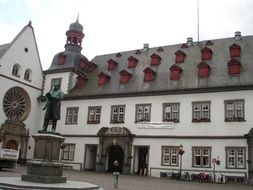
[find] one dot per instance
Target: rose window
(16, 103)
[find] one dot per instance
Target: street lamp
(180, 152)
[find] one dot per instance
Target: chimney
(145, 47)
(189, 41)
(238, 35)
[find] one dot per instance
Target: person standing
(115, 174)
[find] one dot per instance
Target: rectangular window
(170, 155)
(72, 115)
(234, 110)
(171, 112)
(68, 152)
(201, 157)
(201, 111)
(55, 81)
(143, 112)
(117, 114)
(235, 157)
(94, 114)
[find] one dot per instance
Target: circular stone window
(16, 103)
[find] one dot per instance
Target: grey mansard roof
(219, 79)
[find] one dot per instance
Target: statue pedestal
(45, 167)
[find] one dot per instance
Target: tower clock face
(16, 103)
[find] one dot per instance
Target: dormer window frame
(175, 72)
(206, 54)
(180, 56)
(111, 64)
(234, 67)
(132, 62)
(82, 63)
(155, 59)
(124, 76)
(80, 81)
(103, 79)
(203, 69)
(235, 50)
(61, 58)
(149, 74)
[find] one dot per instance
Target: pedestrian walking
(115, 174)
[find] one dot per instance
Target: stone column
(250, 158)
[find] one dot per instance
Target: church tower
(69, 67)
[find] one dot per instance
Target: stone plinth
(47, 146)
(45, 167)
(44, 172)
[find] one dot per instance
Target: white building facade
(21, 86)
(142, 107)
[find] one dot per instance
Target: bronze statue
(52, 107)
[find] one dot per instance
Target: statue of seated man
(52, 107)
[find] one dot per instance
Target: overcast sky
(112, 26)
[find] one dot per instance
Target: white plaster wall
(64, 83)
(29, 60)
(217, 126)
(217, 151)
(33, 121)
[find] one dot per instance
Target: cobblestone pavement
(132, 182)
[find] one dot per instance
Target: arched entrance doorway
(11, 144)
(115, 152)
(115, 143)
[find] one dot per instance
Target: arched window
(28, 74)
(16, 70)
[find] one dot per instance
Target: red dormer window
(234, 67)
(155, 59)
(203, 69)
(149, 74)
(82, 63)
(175, 72)
(103, 79)
(80, 81)
(118, 55)
(206, 54)
(124, 76)
(132, 62)
(61, 59)
(235, 50)
(112, 64)
(180, 55)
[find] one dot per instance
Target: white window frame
(68, 152)
(201, 153)
(201, 111)
(235, 160)
(72, 115)
(94, 114)
(234, 110)
(117, 113)
(170, 156)
(171, 112)
(143, 112)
